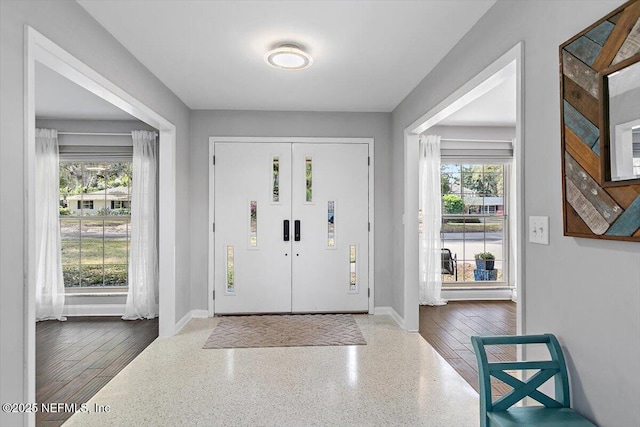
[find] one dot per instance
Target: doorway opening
(42, 52)
(479, 131)
(473, 151)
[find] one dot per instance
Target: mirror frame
(605, 131)
(590, 208)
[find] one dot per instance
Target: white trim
(94, 310)
(305, 140)
(389, 311)
(490, 78)
(193, 314)
(183, 322)
(477, 294)
(199, 314)
(484, 81)
(41, 49)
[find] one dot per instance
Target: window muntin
(95, 223)
(474, 218)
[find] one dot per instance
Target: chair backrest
(447, 262)
(547, 369)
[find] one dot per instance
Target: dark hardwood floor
(76, 358)
(448, 329)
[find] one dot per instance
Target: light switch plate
(539, 230)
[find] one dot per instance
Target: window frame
(504, 217)
(100, 289)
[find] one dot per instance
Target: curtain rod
(475, 140)
(95, 133)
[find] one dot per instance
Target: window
(474, 220)
(85, 204)
(95, 223)
(120, 204)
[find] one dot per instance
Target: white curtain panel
(430, 206)
(143, 257)
(49, 279)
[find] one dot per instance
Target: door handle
(296, 230)
(286, 230)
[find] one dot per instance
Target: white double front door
(291, 227)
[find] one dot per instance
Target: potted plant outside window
(485, 261)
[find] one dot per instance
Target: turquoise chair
(555, 412)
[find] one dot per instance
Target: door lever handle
(296, 230)
(285, 230)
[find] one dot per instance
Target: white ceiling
(495, 108)
(59, 98)
(368, 55)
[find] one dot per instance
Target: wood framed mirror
(620, 123)
(601, 201)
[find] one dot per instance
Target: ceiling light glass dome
(288, 57)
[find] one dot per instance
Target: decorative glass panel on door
(353, 285)
(253, 223)
(308, 162)
(276, 180)
(230, 271)
(331, 225)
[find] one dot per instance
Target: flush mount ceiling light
(288, 57)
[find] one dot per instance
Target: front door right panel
(330, 265)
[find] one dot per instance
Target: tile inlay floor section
(76, 358)
(449, 328)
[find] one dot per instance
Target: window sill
(96, 294)
(478, 287)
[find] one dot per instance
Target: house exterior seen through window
(95, 223)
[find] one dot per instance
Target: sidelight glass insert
(352, 268)
(276, 179)
(230, 273)
(308, 161)
(331, 226)
(253, 223)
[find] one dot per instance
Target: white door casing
(319, 272)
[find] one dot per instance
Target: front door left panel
(252, 201)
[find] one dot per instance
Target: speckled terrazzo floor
(397, 379)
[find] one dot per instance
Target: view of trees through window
(95, 222)
(474, 218)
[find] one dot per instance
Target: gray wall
(585, 291)
(68, 25)
(206, 123)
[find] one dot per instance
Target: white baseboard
(199, 314)
(390, 311)
(94, 310)
(193, 314)
(477, 294)
(182, 322)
